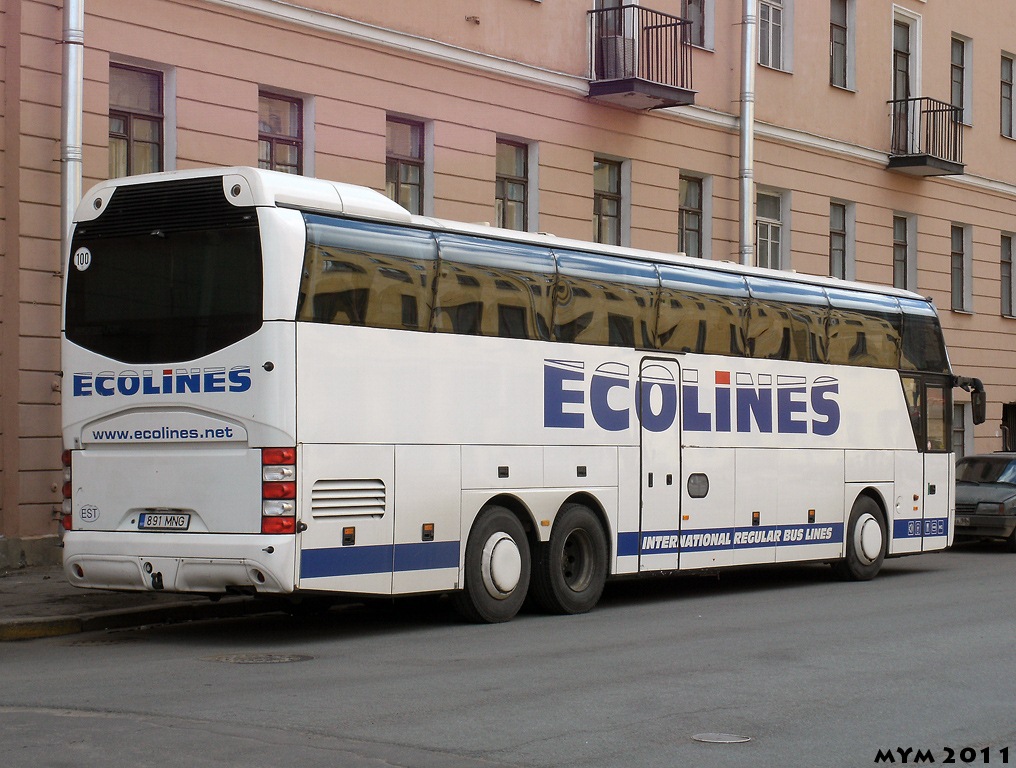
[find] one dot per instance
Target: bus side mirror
(978, 405)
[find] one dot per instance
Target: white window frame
(783, 223)
(786, 35)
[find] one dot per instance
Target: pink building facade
(883, 148)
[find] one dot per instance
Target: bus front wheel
(497, 568)
(866, 542)
(569, 570)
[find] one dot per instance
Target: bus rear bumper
(243, 563)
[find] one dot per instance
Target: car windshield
(986, 469)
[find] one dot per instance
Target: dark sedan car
(986, 497)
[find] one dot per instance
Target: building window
(959, 430)
(960, 259)
(404, 163)
(1005, 105)
(838, 240)
(135, 121)
(769, 230)
(694, 12)
(690, 217)
(280, 133)
(838, 43)
(606, 201)
(512, 184)
(1006, 276)
(770, 44)
(903, 253)
(959, 69)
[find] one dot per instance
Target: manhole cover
(721, 738)
(260, 658)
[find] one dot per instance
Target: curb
(12, 630)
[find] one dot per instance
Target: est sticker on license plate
(164, 521)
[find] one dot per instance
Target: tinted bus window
(173, 272)
(358, 273)
(864, 329)
(493, 288)
(605, 300)
(923, 344)
(701, 311)
(787, 320)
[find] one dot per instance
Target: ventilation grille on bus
(169, 206)
(336, 498)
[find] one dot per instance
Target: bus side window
(493, 288)
(864, 329)
(787, 321)
(923, 345)
(360, 273)
(605, 300)
(701, 311)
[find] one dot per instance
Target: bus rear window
(167, 289)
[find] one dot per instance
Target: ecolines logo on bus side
(170, 382)
(753, 403)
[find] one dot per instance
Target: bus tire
(866, 542)
(497, 568)
(569, 570)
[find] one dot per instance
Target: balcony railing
(927, 137)
(639, 58)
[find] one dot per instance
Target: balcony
(639, 58)
(927, 137)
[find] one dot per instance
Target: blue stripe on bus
(713, 539)
(916, 529)
(381, 558)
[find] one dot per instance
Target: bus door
(924, 479)
(347, 505)
(659, 419)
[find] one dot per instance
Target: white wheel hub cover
(868, 539)
(501, 565)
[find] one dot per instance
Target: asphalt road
(814, 672)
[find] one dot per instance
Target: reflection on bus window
(602, 300)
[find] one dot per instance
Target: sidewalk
(39, 602)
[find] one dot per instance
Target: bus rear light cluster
(66, 507)
(278, 490)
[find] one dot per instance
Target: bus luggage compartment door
(347, 505)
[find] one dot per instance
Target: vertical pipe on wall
(70, 136)
(746, 175)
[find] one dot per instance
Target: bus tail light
(278, 490)
(66, 507)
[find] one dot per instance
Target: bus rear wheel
(866, 542)
(569, 571)
(497, 568)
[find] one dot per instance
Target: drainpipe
(746, 176)
(70, 136)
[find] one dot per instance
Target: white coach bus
(282, 385)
